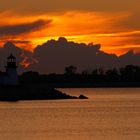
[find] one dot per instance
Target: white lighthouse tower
(11, 71)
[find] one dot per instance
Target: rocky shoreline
(16, 93)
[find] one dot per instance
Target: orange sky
(115, 27)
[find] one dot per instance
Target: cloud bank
(54, 55)
(9, 48)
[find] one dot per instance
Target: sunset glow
(112, 29)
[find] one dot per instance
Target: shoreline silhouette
(12, 90)
(20, 92)
(128, 76)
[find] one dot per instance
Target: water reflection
(109, 114)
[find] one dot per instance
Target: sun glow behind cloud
(80, 26)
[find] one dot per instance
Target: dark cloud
(55, 55)
(11, 30)
(130, 58)
(9, 48)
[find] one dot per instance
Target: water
(109, 114)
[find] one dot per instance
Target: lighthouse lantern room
(11, 71)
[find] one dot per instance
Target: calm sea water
(109, 114)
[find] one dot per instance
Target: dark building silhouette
(10, 77)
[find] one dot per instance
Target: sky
(113, 24)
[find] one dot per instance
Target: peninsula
(12, 90)
(16, 93)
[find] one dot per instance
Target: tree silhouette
(70, 70)
(130, 73)
(30, 76)
(112, 75)
(125, 76)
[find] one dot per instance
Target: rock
(83, 97)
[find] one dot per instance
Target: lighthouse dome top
(11, 57)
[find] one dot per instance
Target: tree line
(129, 73)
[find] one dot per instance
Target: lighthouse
(11, 71)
